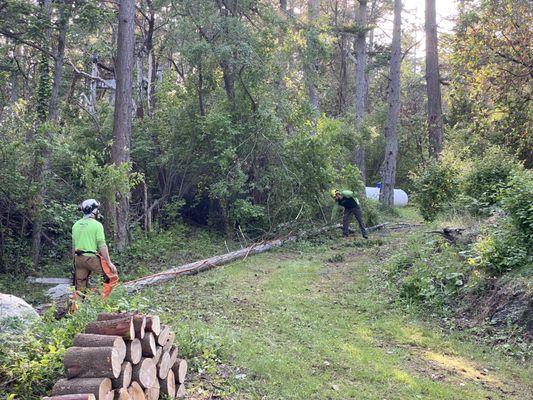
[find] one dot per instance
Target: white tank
(400, 197)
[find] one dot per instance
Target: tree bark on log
(173, 354)
(136, 392)
(86, 396)
(99, 387)
(170, 342)
(139, 321)
(145, 373)
(163, 366)
(93, 340)
(162, 338)
(134, 351)
(92, 362)
(180, 370)
(124, 379)
(148, 345)
(168, 385)
(203, 265)
(120, 327)
(153, 324)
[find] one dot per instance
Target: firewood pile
(122, 356)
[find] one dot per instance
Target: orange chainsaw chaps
(112, 278)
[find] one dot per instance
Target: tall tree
(433, 82)
(360, 80)
(120, 151)
(313, 11)
(388, 178)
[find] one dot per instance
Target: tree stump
(92, 362)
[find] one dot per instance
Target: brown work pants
(83, 267)
(358, 214)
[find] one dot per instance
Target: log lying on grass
(99, 387)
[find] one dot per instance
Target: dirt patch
(504, 302)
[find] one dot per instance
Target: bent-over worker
(90, 250)
(350, 203)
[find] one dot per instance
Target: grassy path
(314, 321)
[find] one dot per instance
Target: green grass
(294, 325)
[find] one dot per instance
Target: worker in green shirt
(350, 203)
(90, 250)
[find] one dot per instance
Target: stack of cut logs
(124, 356)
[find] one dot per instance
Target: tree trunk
(388, 179)
(120, 151)
(433, 82)
(92, 340)
(313, 11)
(134, 351)
(59, 61)
(360, 82)
(99, 387)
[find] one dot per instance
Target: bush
(487, 178)
(435, 186)
(517, 200)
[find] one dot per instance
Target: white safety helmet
(89, 207)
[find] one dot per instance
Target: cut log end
(153, 324)
(134, 351)
(145, 373)
(180, 370)
(124, 379)
(136, 392)
(164, 335)
(168, 385)
(148, 345)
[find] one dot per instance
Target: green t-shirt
(88, 234)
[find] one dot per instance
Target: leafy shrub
(484, 182)
(371, 211)
(428, 272)
(501, 250)
(435, 186)
(517, 200)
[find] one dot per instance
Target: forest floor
(316, 320)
